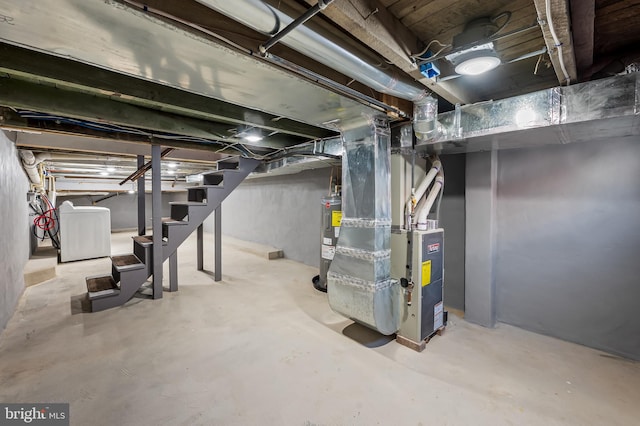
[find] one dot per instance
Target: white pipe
(424, 185)
(30, 165)
(417, 194)
(265, 19)
(424, 210)
(547, 5)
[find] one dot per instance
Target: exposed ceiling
(67, 67)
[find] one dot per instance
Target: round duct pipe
(267, 20)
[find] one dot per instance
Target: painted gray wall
(280, 211)
(124, 207)
(568, 261)
(480, 237)
(452, 219)
(14, 228)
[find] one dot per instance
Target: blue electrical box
(429, 70)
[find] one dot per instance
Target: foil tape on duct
(359, 279)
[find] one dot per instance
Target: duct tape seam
(364, 254)
(369, 286)
(365, 223)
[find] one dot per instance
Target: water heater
(331, 218)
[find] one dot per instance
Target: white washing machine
(85, 232)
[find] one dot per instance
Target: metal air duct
(265, 19)
(595, 110)
(359, 280)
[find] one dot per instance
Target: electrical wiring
(46, 222)
(535, 70)
(504, 24)
(426, 49)
(114, 128)
(556, 41)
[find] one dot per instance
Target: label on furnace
(328, 252)
(438, 316)
(426, 273)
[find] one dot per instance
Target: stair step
(169, 221)
(228, 165)
(127, 262)
(187, 203)
(213, 179)
(221, 172)
(146, 240)
(101, 286)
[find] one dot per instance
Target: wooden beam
(375, 26)
(560, 17)
(87, 144)
(40, 67)
(42, 98)
(10, 120)
(583, 14)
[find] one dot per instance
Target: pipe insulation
(267, 20)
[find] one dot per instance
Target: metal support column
(200, 247)
(218, 244)
(173, 271)
(156, 194)
(142, 223)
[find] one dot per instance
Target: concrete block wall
(553, 242)
(14, 227)
(568, 241)
(281, 211)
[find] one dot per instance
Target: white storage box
(85, 232)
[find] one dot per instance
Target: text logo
(34, 414)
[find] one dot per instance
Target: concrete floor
(263, 347)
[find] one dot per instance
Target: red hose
(46, 221)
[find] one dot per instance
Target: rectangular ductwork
(359, 279)
(595, 110)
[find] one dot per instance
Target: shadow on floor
(366, 336)
(80, 304)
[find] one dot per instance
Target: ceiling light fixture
(172, 165)
(104, 173)
(474, 52)
(111, 169)
(475, 60)
(252, 138)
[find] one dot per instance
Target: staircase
(130, 271)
